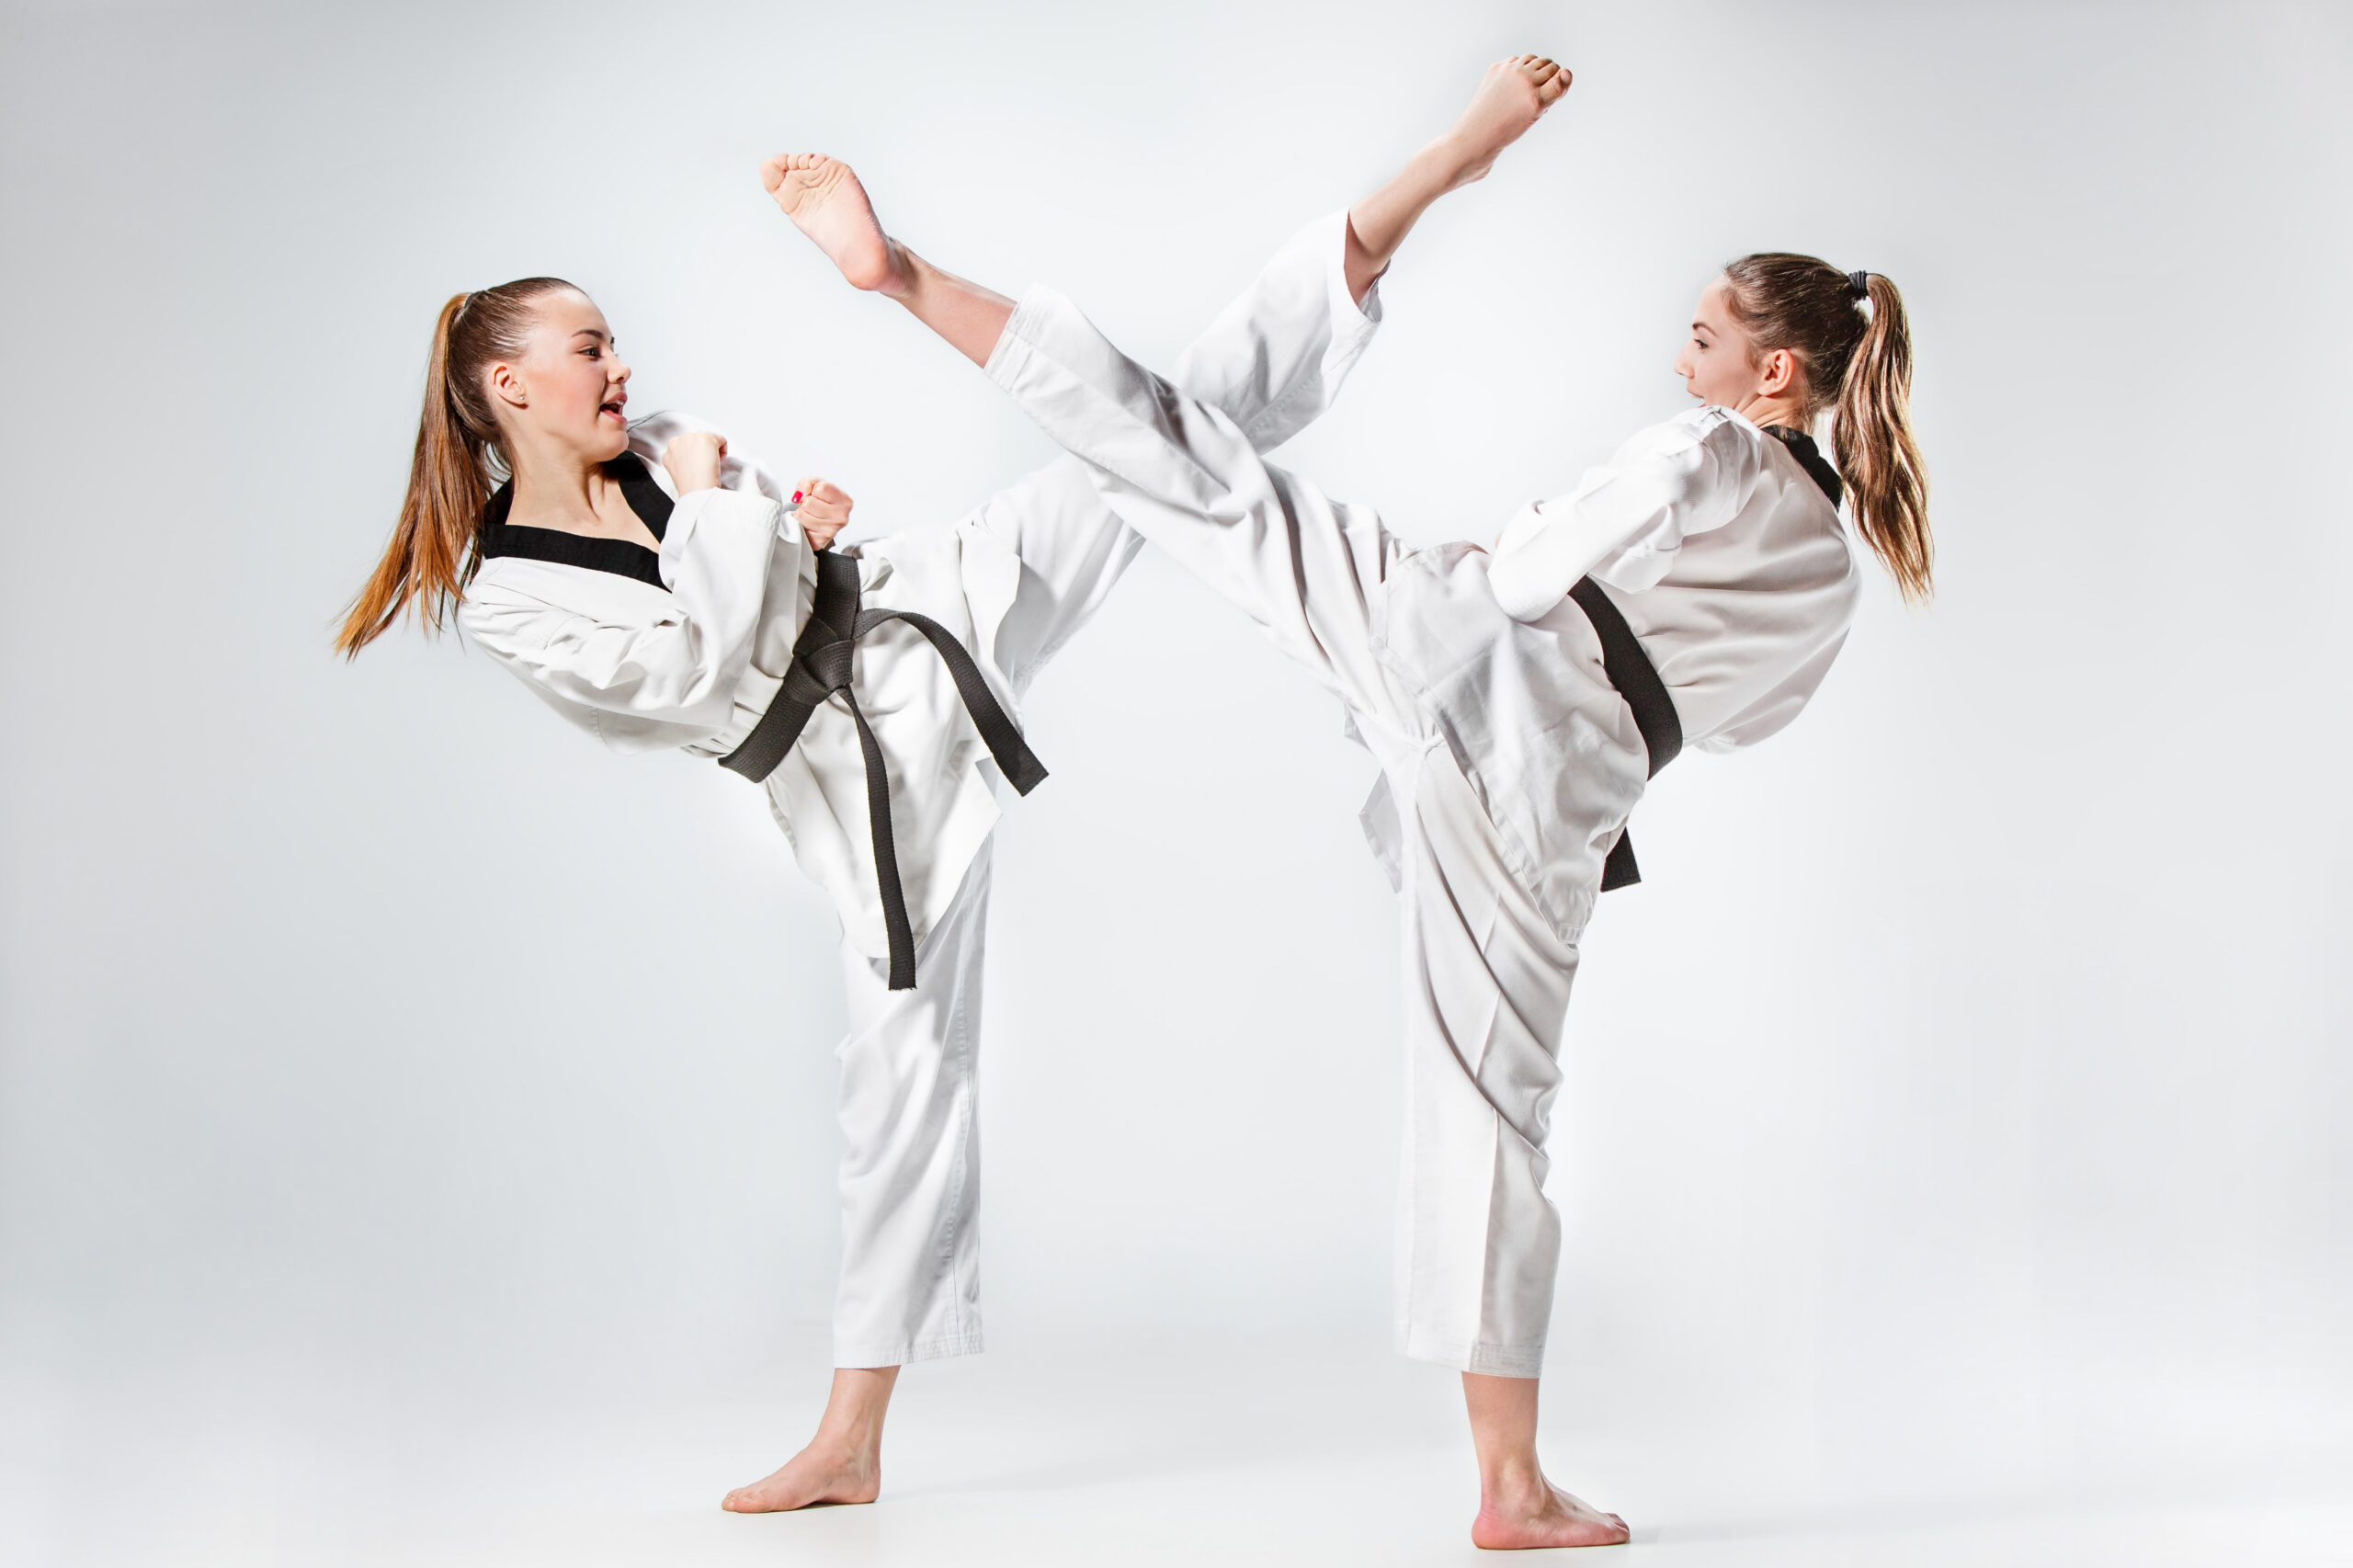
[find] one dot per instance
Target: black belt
(1631, 671)
(819, 668)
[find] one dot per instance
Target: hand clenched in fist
(693, 459)
(825, 510)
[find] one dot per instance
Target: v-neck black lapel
(621, 557)
(1817, 467)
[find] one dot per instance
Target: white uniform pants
(1488, 974)
(910, 1179)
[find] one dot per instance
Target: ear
(1780, 373)
(508, 387)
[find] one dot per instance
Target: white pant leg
(1189, 478)
(1488, 974)
(909, 1288)
(910, 1178)
(1272, 363)
(1487, 984)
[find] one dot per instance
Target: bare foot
(822, 1473)
(1542, 1514)
(826, 202)
(1512, 96)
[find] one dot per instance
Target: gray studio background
(393, 1082)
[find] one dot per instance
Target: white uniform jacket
(694, 662)
(1730, 565)
(691, 650)
(1727, 559)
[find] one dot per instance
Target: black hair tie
(1859, 285)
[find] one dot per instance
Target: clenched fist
(693, 459)
(825, 510)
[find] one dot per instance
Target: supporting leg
(909, 1190)
(1487, 984)
(1517, 1508)
(843, 1463)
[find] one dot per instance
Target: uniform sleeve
(684, 667)
(1626, 521)
(649, 436)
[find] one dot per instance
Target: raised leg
(826, 202)
(1272, 362)
(1512, 96)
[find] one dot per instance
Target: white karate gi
(694, 663)
(1509, 763)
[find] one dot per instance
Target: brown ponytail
(432, 553)
(1859, 366)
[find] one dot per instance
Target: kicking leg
(826, 202)
(1184, 472)
(1511, 98)
(1272, 362)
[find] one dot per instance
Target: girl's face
(1717, 358)
(1720, 363)
(569, 388)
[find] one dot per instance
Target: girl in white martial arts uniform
(658, 591)
(1694, 591)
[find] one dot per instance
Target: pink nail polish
(796, 495)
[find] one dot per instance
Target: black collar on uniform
(619, 556)
(1810, 457)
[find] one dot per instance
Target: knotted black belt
(819, 668)
(1637, 680)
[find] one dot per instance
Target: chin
(608, 444)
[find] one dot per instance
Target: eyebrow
(595, 332)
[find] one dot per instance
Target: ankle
(900, 282)
(1457, 160)
(1512, 1483)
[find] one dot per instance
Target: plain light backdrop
(1962, 1103)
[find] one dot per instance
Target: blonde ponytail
(1871, 441)
(432, 552)
(1859, 367)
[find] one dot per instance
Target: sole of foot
(826, 202)
(1512, 96)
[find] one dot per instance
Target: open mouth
(612, 406)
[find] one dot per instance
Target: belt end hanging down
(1027, 772)
(1619, 871)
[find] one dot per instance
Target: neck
(551, 481)
(1783, 411)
